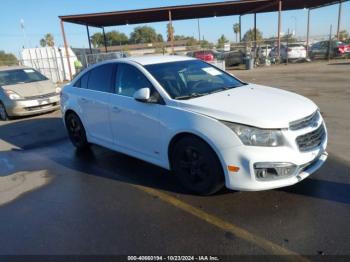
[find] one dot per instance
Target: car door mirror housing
(142, 95)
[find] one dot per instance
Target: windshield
(20, 76)
(188, 79)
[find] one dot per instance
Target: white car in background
(293, 51)
(208, 127)
(264, 51)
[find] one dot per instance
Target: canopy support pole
(240, 28)
(308, 31)
(279, 29)
(88, 35)
(171, 33)
(67, 53)
(255, 31)
(104, 39)
(339, 18)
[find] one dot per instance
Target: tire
(197, 166)
(3, 113)
(76, 131)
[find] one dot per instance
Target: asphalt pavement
(56, 200)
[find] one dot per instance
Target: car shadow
(49, 141)
(29, 133)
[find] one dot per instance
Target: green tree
(179, 37)
(170, 31)
(206, 44)
(160, 38)
(222, 41)
(289, 38)
(42, 42)
(143, 34)
(236, 30)
(97, 40)
(115, 38)
(7, 59)
(49, 39)
(112, 38)
(249, 35)
(343, 35)
(191, 43)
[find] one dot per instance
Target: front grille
(41, 96)
(34, 108)
(311, 140)
(305, 122)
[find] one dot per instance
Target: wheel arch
(67, 112)
(177, 137)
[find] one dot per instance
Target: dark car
(233, 58)
(321, 49)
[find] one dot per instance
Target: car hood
(32, 89)
(253, 105)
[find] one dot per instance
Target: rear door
(96, 88)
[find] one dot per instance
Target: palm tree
(49, 39)
(170, 31)
(42, 42)
(236, 30)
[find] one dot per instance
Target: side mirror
(142, 95)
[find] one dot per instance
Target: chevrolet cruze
(206, 126)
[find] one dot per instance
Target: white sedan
(210, 128)
(293, 51)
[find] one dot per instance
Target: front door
(135, 124)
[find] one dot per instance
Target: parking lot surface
(55, 200)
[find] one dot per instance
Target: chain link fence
(53, 62)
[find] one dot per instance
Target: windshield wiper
(192, 95)
(220, 90)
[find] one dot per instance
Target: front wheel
(76, 131)
(197, 166)
(3, 113)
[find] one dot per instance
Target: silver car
(25, 91)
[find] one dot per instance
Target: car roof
(6, 68)
(156, 59)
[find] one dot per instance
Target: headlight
(252, 136)
(12, 95)
(58, 90)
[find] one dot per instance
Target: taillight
(341, 49)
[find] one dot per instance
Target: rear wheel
(197, 166)
(76, 131)
(3, 113)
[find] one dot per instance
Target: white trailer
(50, 61)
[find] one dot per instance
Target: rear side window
(100, 78)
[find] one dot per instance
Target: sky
(41, 17)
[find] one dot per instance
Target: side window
(83, 81)
(78, 83)
(324, 44)
(101, 78)
(130, 79)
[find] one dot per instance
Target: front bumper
(32, 106)
(245, 157)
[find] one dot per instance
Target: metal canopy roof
(182, 12)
